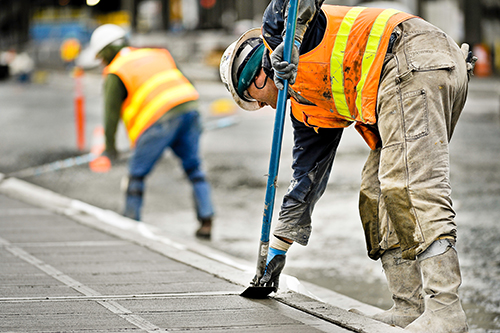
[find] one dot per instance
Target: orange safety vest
(341, 75)
(154, 86)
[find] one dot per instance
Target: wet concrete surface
(73, 267)
(37, 127)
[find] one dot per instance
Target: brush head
(257, 292)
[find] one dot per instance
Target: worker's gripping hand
(284, 70)
(469, 58)
(275, 263)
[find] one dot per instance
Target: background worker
(158, 106)
(404, 83)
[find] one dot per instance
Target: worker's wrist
(273, 253)
(279, 243)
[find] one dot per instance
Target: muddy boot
(405, 283)
(441, 279)
(205, 231)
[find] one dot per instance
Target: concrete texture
(72, 267)
(37, 127)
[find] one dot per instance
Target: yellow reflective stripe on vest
(150, 109)
(370, 51)
(145, 89)
(337, 61)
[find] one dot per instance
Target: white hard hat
(234, 56)
(105, 35)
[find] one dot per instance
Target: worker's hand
(275, 263)
(284, 70)
(469, 58)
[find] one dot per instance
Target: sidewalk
(69, 266)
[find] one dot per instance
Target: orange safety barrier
(483, 63)
(79, 109)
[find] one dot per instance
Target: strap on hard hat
(249, 69)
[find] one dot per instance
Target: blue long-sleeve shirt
(273, 25)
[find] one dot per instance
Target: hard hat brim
(229, 59)
(87, 59)
(105, 35)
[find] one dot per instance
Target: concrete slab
(78, 266)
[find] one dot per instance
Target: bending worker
(403, 82)
(158, 106)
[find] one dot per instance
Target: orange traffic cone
(100, 163)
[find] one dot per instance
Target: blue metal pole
(276, 144)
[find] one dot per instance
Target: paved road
(36, 127)
(71, 267)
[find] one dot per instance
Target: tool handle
(279, 120)
(261, 262)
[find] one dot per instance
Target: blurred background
(49, 112)
(52, 32)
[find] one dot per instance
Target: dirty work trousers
(313, 156)
(405, 190)
(181, 134)
(405, 196)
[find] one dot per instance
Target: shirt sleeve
(273, 25)
(114, 95)
(273, 22)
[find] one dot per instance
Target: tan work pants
(405, 192)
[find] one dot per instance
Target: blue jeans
(182, 135)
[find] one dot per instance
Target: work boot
(133, 198)
(205, 230)
(405, 283)
(133, 205)
(443, 311)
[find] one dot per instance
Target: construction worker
(158, 106)
(403, 82)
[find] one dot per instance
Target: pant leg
(186, 147)
(379, 232)
(313, 155)
(134, 198)
(422, 93)
(149, 149)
